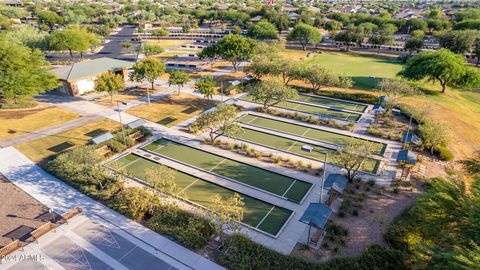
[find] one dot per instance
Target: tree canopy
(444, 66)
(73, 38)
(305, 34)
(178, 78)
(233, 48)
(24, 72)
(262, 30)
(270, 92)
(109, 82)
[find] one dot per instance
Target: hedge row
(242, 253)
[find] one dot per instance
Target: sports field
(305, 131)
(278, 184)
(293, 146)
(326, 112)
(258, 214)
(345, 105)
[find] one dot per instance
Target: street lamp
(323, 178)
(120, 118)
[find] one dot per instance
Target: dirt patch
(366, 221)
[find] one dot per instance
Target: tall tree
(318, 76)
(24, 72)
(443, 66)
(110, 83)
(178, 78)
(352, 34)
(305, 34)
(161, 32)
(73, 38)
(396, 89)
(270, 93)
(226, 214)
(352, 156)
(218, 122)
(233, 48)
(383, 35)
(262, 30)
(205, 86)
(461, 41)
(413, 45)
(148, 69)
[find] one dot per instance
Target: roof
(411, 138)
(101, 138)
(317, 214)
(90, 68)
(378, 107)
(137, 123)
(335, 181)
(407, 156)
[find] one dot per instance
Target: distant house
(12, 3)
(79, 78)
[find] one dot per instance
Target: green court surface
(278, 184)
(258, 214)
(293, 146)
(354, 117)
(332, 103)
(307, 132)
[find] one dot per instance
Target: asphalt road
(112, 49)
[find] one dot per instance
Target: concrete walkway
(60, 197)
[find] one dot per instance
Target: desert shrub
(145, 131)
(190, 230)
(133, 202)
(115, 145)
(444, 153)
(242, 253)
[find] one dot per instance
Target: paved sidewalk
(60, 197)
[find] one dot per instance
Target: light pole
(408, 130)
(120, 118)
(323, 178)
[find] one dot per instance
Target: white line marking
(255, 118)
(183, 190)
(128, 164)
(291, 185)
(306, 131)
(160, 147)
(298, 104)
(217, 165)
(291, 146)
(261, 221)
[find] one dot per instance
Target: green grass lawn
(292, 146)
(258, 214)
(359, 66)
(307, 132)
(295, 106)
(278, 184)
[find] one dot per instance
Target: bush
(444, 153)
(132, 202)
(242, 253)
(145, 131)
(115, 145)
(190, 230)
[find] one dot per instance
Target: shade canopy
(412, 138)
(407, 156)
(337, 182)
(101, 138)
(317, 214)
(136, 123)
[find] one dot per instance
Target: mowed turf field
(258, 214)
(294, 146)
(307, 132)
(278, 184)
(345, 105)
(321, 111)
